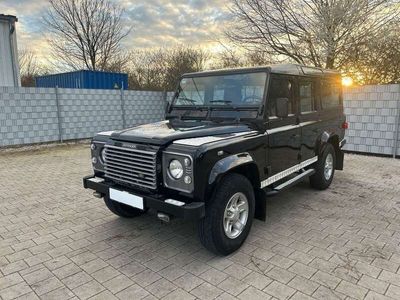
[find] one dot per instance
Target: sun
(347, 81)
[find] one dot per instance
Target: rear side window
(280, 88)
(307, 97)
(330, 94)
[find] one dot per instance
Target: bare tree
(377, 61)
(182, 60)
(236, 58)
(30, 67)
(119, 62)
(85, 33)
(316, 32)
(160, 69)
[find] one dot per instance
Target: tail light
(345, 125)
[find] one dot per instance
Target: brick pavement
(58, 242)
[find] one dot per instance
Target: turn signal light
(345, 125)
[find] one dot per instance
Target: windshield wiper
(187, 99)
(221, 101)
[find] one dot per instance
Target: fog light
(188, 179)
(94, 160)
(93, 147)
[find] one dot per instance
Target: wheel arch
(334, 140)
(244, 165)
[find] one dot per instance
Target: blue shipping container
(84, 80)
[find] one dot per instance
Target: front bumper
(189, 211)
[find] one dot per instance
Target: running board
(290, 182)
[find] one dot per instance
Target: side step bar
(290, 182)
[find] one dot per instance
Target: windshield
(235, 90)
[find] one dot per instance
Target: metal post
(123, 105)
(165, 102)
(60, 137)
(396, 129)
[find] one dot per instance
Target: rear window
(330, 94)
(307, 101)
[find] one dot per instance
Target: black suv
(230, 139)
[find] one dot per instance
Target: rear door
(309, 118)
(284, 135)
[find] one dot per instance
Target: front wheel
(229, 215)
(324, 169)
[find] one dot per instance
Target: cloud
(154, 23)
(30, 31)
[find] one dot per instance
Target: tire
(233, 188)
(122, 210)
(320, 180)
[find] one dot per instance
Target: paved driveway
(58, 242)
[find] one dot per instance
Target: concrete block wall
(144, 107)
(27, 115)
(85, 112)
(372, 113)
(36, 115)
(30, 115)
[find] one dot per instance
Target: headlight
(175, 169)
(103, 155)
(178, 171)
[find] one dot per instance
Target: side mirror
(282, 107)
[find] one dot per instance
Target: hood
(165, 132)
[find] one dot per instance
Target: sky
(155, 23)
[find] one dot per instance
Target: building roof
(8, 18)
(291, 69)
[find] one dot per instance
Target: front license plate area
(126, 198)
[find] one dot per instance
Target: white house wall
(7, 58)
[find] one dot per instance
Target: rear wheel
(229, 215)
(121, 209)
(325, 169)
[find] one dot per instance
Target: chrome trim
(131, 150)
(289, 182)
(129, 181)
(342, 143)
(175, 202)
(307, 123)
(270, 180)
(210, 139)
(289, 127)
(132, 162)
(132, 166)
(282, 128)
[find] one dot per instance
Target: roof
(8, 18)
(291, 69)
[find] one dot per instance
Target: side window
(330, 94)
(279, 88)
(307, 97)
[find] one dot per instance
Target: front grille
(131, 166)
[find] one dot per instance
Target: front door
(284, 134)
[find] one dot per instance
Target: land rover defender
(231, 138)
